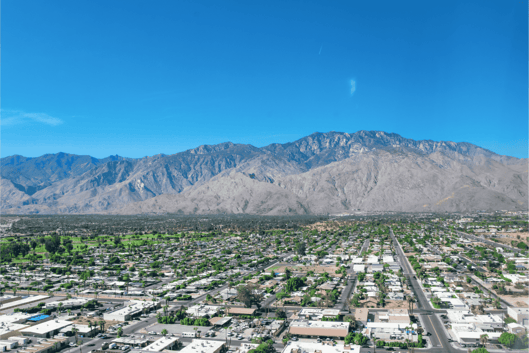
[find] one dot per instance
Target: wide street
(431, 322)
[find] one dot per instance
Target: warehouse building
(47, 329)
(306, 328)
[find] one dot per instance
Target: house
(361, 316)
(515, 328)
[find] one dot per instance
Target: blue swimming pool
(38, 317)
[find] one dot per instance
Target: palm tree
(420, 330)
(483, 339)
(102, 325)
(410, 304)
(74, 331)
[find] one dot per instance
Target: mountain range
(323, 173)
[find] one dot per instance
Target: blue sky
(139, 78)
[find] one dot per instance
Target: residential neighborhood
(346, 284)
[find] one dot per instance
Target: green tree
(480, 350)
(247, 296)
(280, 313)
(508, 339)
(164, 332)
(301, 248)
(288, 273)
(293, 284)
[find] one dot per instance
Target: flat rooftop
(23, 301)
(313, 347)
(202, 346)
(47, 326)
(161, 344)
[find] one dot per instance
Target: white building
(469, 334)
(317, 314)
(131, 309)
(162, 343)
(47, 329)
(203, 310)
(521, 315)
(385, 330)
(313, 347)
(319, 328)
(203, 346)
(483, 322)
(66, 304)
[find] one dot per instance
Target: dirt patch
(316, 269)
(398, 304)
(516, 300)
(95, 321)
(510, 237)
(329, 225)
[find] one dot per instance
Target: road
(487, 241)
(431, 322)
(97, 343)
(341, 304)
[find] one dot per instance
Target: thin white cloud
(353, 87)
(18, 117)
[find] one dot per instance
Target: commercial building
(203, 346)
(319, 328)
(47, 329)
(24, 301)
(317, 314)
(468, 335)
(162, 343)
(361, 315)
(313, 347)
(131, 309)
(387, 330)
(203, 310)
(483, 322)
(51, 345)
(66, 304)
(521, 315)
(8, 330)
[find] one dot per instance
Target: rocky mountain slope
(321, 173)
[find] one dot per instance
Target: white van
(189, 334)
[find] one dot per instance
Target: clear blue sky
(139, 78)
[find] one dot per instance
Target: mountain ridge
(277, 177)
